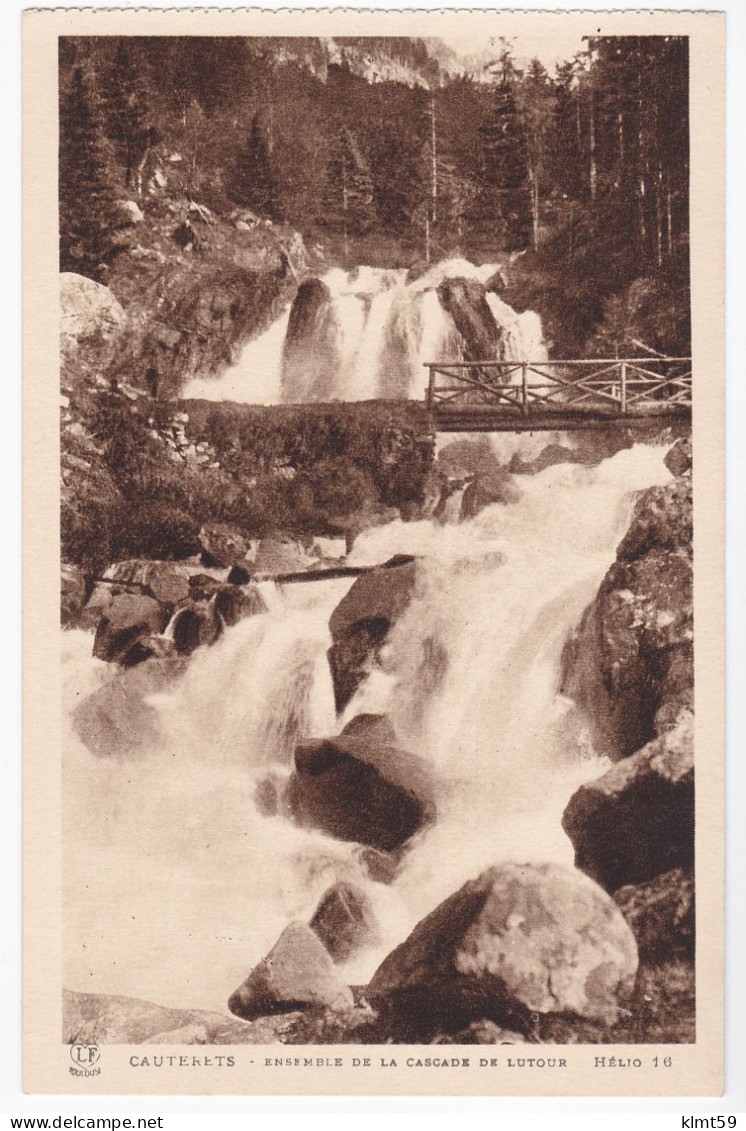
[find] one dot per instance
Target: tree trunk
(434, 162)
(592, 172)
(534, 178)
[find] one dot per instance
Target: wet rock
(486, 490)
(364, 520)
(519, 940)
(269, 794)
(310, 350)
(152, 647)
(417, 269)
(497, 283)
(127, 618)
(361, 622)
(345, 921)
(465, 300)
(662, 520)
(232, 604)
(239, 575)
(91, 325)
(166, 581)
(73, 596)
(298, 973)
(661, 915)
(202, 586)
(474, 456)
(117, 719)
(679, 458)
(630, 664)
(193, 627)
(111, 1019)
(637, 820)
(549, 456)
(278, 554)
(222, 545)
(361, 786)
(382, 867)
(482, 1033)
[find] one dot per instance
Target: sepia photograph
(376, 487)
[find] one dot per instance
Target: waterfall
(176, 882)
(364, 334)
(176, 878)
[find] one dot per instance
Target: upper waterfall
(367, 333)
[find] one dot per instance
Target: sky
(549, 49)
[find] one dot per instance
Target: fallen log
(282, 578)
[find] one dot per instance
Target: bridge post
(524, 388)
(431, 388)
(623, 390)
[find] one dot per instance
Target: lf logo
(84, 1058)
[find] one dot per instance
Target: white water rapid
(175, 883)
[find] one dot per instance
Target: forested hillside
(379, 153)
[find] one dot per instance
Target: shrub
(150, 528)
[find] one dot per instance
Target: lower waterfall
(175, 883)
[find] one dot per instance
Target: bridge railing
(627, 386)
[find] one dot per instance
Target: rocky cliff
(187, 290)
(630, 664)
(630, 667)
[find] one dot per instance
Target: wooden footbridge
(557, 396)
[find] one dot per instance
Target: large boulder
(345, 921)
(91, 324)
(310, 353)
(222, 545)
(679, 459)
(637, 820)
(486, 490)
(232, 603)
(298, 973)
(661, 915)
(128, 617)
(472, 456)
(167, 582)
(194, 626)
(630, 664)
(112, 1019)
(520, 940)
(466, 302)
(361, 786)
(361, 622)
(117, 720)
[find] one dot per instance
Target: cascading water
(176, 883)
(360, 335)
(176, 879)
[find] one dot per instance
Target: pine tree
(348, 201)
(536, 106)
(252, 184)
(127, 109)
(565, 138)
(86, 196)
(506, 191)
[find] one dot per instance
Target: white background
(214, 1111)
